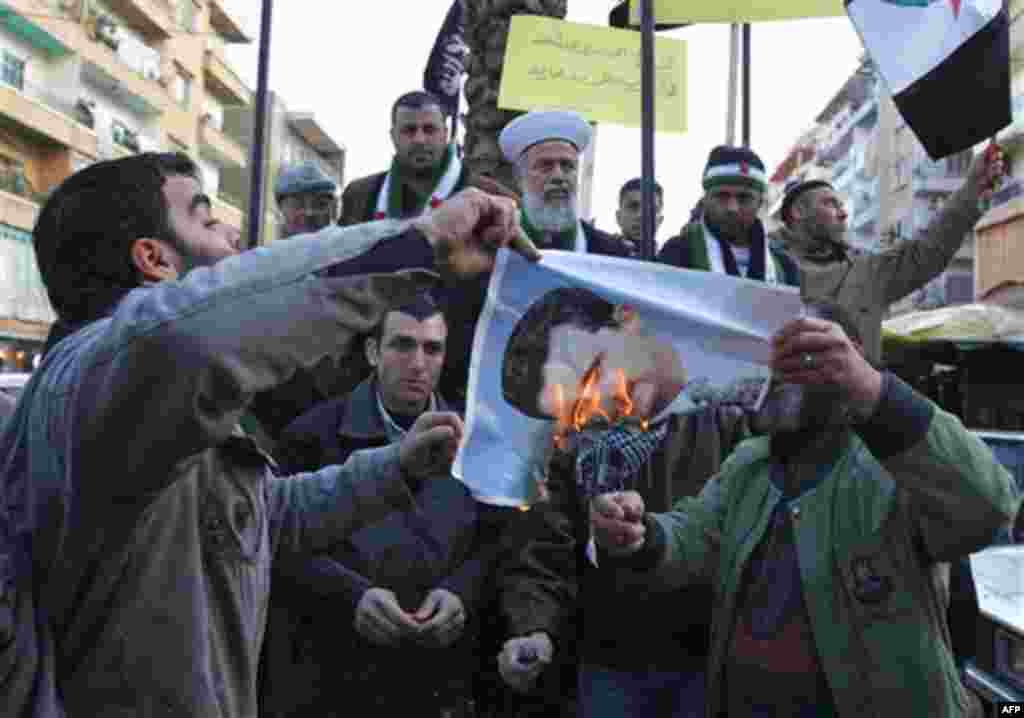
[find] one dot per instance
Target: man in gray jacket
(138, 524)
(815, 236)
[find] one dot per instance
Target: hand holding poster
(569, 356)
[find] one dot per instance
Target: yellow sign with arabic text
(595, 71)
(708, 11)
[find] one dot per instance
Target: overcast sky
(347, 62)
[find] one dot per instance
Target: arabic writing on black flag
(443, 76)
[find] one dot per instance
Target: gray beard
(547, 217)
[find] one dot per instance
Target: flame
(589, 401)
(620, 394)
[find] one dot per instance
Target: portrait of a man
(571, 335)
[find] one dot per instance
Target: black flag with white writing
(946, 63)
(443, 76)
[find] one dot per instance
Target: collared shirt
(391, 427)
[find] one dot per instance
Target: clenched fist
(522, 660)
(617, 522)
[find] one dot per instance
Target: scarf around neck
(444, 178)
(758, 252)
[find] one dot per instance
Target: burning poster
(590, 354)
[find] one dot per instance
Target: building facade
(290, 138)
(999, 251)
(89, 80)
(892, 189)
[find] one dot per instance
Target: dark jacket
(682, 251)
(540, 584)
(316, 662)
(462, 303)
(359, 200)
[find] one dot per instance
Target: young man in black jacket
(347, 628)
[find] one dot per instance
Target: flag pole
(730, 114)
(746, 84)
(259, 128)
(647, 244)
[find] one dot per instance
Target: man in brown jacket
(815, 236)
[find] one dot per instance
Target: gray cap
(303, 178)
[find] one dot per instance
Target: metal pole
(647, 80)
(259, 127)
(734, 59)
(746, 84)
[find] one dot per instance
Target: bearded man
(814, 235)
(425, 171)
(727, 236)
(545, 147)
(826, 540)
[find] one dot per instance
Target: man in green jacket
(827, 541)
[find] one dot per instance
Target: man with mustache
(307, 198)
(814, 235)
(397, 600)
(827, 540)
(425, 171)
(545, 148)
(728, 237)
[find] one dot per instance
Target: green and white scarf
(446, 177)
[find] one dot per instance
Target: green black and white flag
(946, 63)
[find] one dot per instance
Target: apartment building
(87, 80)
(892, 189)
(289, 138)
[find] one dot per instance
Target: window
(186, 15)
(12, 71)
(124, 136)
(182, 87)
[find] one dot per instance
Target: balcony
(226, 26)
(35, 110)
(105, 69)
(17, 210)
(220, 148)
(222, 82)
(152, 18)
(19, 17)
(224, 211)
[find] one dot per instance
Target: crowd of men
(226, 490)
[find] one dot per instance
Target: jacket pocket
(876, 579)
